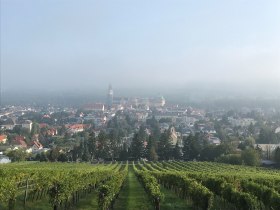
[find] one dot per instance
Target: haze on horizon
(63, 45)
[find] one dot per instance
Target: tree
(62, 157)
(165, 120)
(53, 154)
(212, 152)
(250, 157)
(153, 123)
(151, 149)
(165, 146)
(62, 130)
(153, 154)
(43, 157)
(124, 153)
(2, 132)
(209, 153)
(102, 149)
(75, 153)
(21, 131)
(195, 148)
(138, 149)
(177, 152)
(192, 146)
(186, 146)
(248, 143)
(85, 155)
(277, 155)
(114, 142)
(17, 155)
(267, 136)
(234, 159)
(220, 131)
(91, 145)
(35, 129)
(225, 148)
(37, 157)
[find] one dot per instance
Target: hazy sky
(78, 44)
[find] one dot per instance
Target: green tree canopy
(138, 149)
(17, 155)
(250, 157)
(165, 146)
(277, 155)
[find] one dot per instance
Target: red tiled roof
(22, 143)
(19, 138)
(43, 125)
(3, 138)
(75, 126)
(87, 125)
(37, 144)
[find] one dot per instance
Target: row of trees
(268, 136)
(154, 147)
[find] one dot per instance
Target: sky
(63, 45)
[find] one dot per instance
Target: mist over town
(133, 105)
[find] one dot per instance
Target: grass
(172, 201)
(88, 203)
(133, 195)
(42, 204)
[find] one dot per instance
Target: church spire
(110, 96)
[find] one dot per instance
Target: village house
(173, 136)
(212, 139)
(19, 141)
(36, 146)
(3, 139)
(8, 124)
(75, 128)
(27, 124)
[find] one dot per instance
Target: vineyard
(138, 185)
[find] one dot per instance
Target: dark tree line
(153, 145)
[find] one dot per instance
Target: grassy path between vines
(133, 195)
(90, 202)
(172, 201)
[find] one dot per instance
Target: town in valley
(135, 128)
